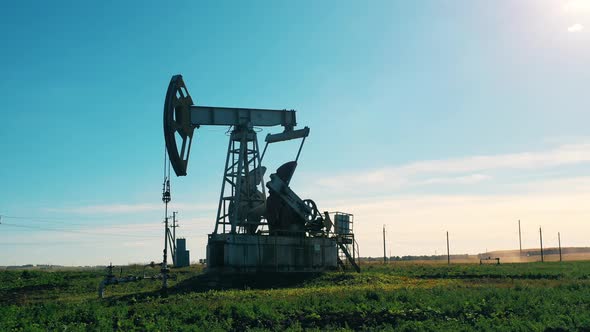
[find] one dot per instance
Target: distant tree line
(414, 258)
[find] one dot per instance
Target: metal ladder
(344, 253)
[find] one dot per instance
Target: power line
(50, 220)
(50, 243)
(76, 231)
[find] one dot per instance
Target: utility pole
(384, 254)
(541, 238)
(166, 198)
(448, 250)
(173, 244)
(519, 238)
(164, 269)
(174, 225)
(559, 241)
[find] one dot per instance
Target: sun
(577, 6)
(577, 12)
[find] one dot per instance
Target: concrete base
(242, 253)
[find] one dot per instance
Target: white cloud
(478, 219)
(417, 223)
(575, 28)
(467, 179)
(468, 169)
(136, 244)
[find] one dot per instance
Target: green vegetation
(401, 296)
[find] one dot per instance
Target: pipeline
(111, 279)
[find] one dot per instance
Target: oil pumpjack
(253, 232)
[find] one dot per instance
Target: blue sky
(425, 116)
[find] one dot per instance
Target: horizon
(392, 258)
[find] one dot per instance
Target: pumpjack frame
(238, 242)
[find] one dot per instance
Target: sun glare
(577, 6)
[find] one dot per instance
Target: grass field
(549, 296)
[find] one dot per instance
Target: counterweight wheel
(314, 225)
(314, 210)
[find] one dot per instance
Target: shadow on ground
(205, 282)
